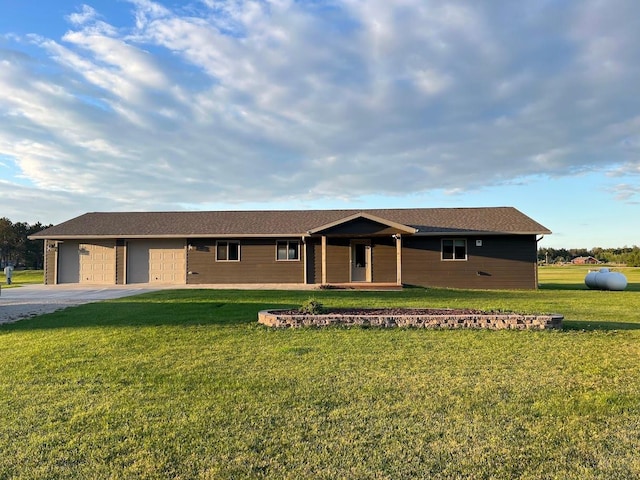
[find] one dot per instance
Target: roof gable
(369, 219)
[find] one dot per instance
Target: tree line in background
(629, 256)
(16, 249)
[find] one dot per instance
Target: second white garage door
(156, 261)
(97, 263)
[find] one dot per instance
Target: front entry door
(360, 261)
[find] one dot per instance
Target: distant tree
(15, 246)
(629, 256)
(34, 249)
(543, 254)
(8, 240)
(596, 252)
(633, 257)
(578, 252)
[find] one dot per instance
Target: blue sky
(281, 104)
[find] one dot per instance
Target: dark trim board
(492, 248)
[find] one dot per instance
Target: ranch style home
(484, 248)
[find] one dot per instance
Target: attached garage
(156, 261)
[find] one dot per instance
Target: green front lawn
(185, 384)
(22, 277)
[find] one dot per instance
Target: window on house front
(287, 250)
(454, 249)
(227, 251)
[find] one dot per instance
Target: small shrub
(311, 307)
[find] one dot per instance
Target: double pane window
(454, 249)
(287, 250)
(227, 251)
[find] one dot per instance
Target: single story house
(494, 248)
(585, 260)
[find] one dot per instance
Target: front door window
(360, 261)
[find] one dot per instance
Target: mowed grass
(22, 277)
(185, 384)
(572, 276)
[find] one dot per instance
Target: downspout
(536, 263)
(304, 265)
(56, 264)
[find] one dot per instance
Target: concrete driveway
(30, 300)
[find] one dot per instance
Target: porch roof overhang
(367, 216)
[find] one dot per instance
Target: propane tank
(606, 280)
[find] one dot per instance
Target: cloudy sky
(282, 104)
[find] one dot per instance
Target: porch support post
(398, 259)
(324, 260)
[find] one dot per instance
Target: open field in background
(572, 276)
(186, 384)
(22, 277)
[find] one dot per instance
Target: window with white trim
(287, 250)
(454, 249)
(227, 251)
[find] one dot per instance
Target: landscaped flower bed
(411, 317)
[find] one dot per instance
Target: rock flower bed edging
(442, 319)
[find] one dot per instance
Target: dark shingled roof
(489, 220)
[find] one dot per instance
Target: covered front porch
(358, 252)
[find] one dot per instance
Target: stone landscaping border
(497, 321)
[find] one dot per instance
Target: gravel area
(13, 313)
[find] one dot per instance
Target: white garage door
(97, 263)
(156, 261)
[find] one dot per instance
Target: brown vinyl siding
(502, 262)
(338, 260)
(383, 260)
(317, 264)
(314, 261)
(257, 264)
(50, 260)
(120, 262)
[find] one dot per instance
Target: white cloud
(258, 100)
(85, 15)
(627, 193)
